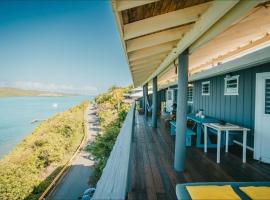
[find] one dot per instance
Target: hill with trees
(15, 92)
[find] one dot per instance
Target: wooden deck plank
(155, 177)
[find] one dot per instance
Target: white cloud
(51, 87)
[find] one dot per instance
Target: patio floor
(153, 176)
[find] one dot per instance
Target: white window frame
(230, 93)
(209, 87)
(190, 86)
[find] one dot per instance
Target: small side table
(225, 128)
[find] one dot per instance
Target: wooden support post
(154, 103)
(181, 113)
(145, 100)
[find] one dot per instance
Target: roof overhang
(155, 32)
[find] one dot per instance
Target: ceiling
(155, 32)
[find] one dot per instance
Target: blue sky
(63, 46)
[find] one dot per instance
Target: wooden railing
(115, 181)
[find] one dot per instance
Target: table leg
(244, 146)
(218, 145)
(199, 133)
(227, 142)
(205, 138)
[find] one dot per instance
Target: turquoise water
(16, 114)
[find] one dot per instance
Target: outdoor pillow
(214, 192)
(257, 192)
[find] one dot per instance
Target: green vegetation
(14, 92)
(27, 171)
(112, 113)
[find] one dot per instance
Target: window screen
(231, 85)
(267, 96)
(190, 94)
(206, 88)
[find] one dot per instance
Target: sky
(64, 46)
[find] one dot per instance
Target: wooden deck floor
(153, 176)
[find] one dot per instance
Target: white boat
(55, 105)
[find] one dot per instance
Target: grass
(31, 166)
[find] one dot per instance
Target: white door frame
(259, 100)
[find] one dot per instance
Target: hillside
(27, 171)
(14, 92)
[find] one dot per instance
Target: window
(190, 93)
(231, 85)
(267, 96)
(206, 88)
(169, 95)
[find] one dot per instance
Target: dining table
(228, 129)
(200, 121)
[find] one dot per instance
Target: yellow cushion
(256, 193)
(212, 192)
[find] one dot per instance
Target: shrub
(112, 113)
(24, 172)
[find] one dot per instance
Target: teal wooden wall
(238, 109)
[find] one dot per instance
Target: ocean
(17, 113)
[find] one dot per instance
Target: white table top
(226, 127)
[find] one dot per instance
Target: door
(169, 100)
(262, 118)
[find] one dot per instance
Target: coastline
(33, 153)
(17, 113)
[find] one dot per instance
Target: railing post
(181, 113)
(154, 103)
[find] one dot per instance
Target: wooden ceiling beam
(155, 57)
(164, 21)
(143, 70)
(151, 51)
(215, 12)
(146, 65)
(156, 38)
(140, 77)
(227, 20)
(127, 4)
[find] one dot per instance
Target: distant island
(15, 92)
